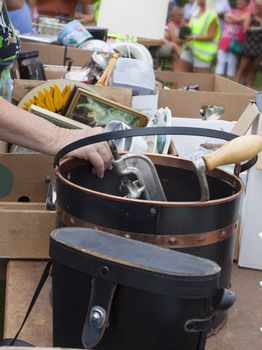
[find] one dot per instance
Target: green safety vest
(96, 6)
(204, 50)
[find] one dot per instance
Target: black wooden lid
(134, 264)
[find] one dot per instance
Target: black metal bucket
(206, 229)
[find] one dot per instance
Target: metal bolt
(223, 234)
(97, 317)
(153, 211)
(105, 270)
(201, 239)
(173, 240)
(72, 221)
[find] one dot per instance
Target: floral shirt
(9, 48)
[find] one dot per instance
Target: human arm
(25, 129)
(233, 19)
(207, 37)
(171, 36)
(246, 23)
(14, 4)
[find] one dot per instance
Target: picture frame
(93, 110)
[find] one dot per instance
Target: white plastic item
(133, 50)
(96, 45)
(134, 74)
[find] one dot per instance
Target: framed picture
(88, 108)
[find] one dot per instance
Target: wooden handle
(235, 151)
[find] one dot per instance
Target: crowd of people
(216, 35)
(23, 13)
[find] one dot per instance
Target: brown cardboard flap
(119, 95)
(223, 84)
(78, 57)
(49, 54)
(25, 234)
(206, 82)
(188, 103)
(246, 119)
(57, 72)
(180, 79)
(28, 173)
(3, 146)
(21, 282)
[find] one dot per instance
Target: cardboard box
(119, 95)
(206, 82)
(25, 224)
(49, 54)
(24, 175)
(56, 54)
(188, 103)
(3, 147)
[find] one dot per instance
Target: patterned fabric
(9, 48)
(253, 40)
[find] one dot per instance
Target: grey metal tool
(236, 151)
(147, 180)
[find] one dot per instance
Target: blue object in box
(74, 34)
(134, 74)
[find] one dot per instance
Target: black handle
(163, 130)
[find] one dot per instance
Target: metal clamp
(140, 166)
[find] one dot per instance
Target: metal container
(206, 229)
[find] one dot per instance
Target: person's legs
(221, 62)
(201, 66)
(202, 70)
(232, 61)
(243, 65)
(184, 64)
(252, 71)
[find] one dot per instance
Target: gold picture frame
(93, 110)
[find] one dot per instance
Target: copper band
(165, 241)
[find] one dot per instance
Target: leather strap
(164, 130)
(102, 294)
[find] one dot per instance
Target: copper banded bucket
(206, 229)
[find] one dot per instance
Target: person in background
(172, 41)
(171, 6)
(60, 7)
(25, 129)
(189, 8)
(20, 15)
(227, 61)
(201, 45)
(251, 6)
(222, 7)
(85, 12)
(252, 52)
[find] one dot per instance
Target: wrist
(194, 36)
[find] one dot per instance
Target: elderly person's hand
(22, 128)
(98, 154)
